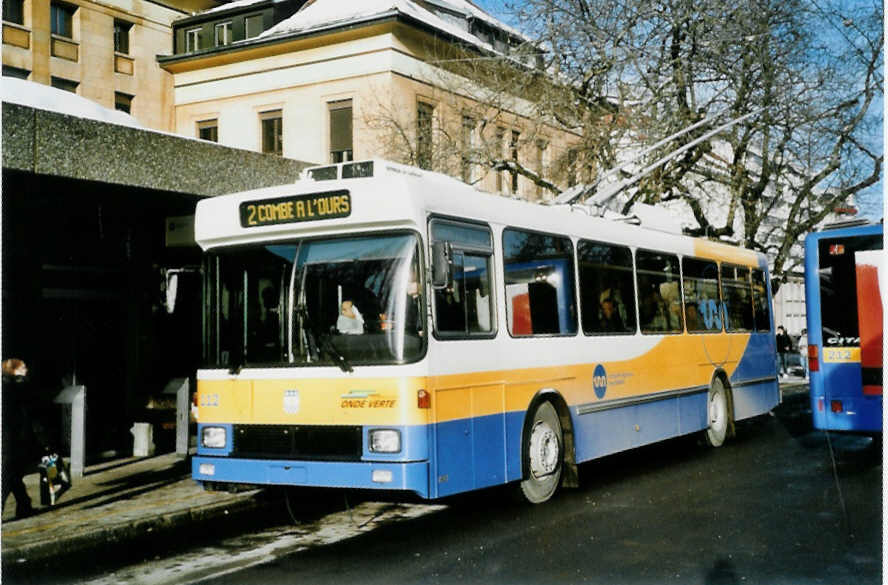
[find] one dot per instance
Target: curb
(129, 531)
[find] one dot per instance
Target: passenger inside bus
(610, 320)
(694, 320)
(653, 312)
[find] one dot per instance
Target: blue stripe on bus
(405, 476)
(759, 360)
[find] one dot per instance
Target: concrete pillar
(73, 401)
(183, 410)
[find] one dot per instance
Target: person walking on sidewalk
(784, 347)
(21, 448)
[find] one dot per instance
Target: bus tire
(718, 414)
(543, 455)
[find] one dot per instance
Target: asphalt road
(778, 504)
(771, 506)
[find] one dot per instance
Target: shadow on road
(852, 453)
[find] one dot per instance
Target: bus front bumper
(412, 476)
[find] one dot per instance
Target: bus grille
(338, 443)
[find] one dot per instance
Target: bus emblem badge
(291, 401)
(599, 381)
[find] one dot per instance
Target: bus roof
(382, 195)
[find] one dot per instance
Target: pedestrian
(21, 448)
(784, 347)
(803, 350)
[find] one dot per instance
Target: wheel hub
(544, 450)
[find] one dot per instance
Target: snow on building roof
(44, 97)
(232, 5)
(322, 14)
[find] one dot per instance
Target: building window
(15, 72)
(208, 130)
(123, 102)
(498, 145)
(14, 11)
(468, 145)
(424, 114)
(541, 162)
(122, 36)
(65, 84)
(573, 156)
(513, 148)
(61, 19)
(341, 131)
(253, 26)
(272, 132)
(223, 34)
(192, 40)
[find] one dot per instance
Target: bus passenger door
(470, 441)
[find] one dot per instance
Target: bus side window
(465, 307)
(737, 296)
(659, 294)
(761, 308)
(539, 281)
(700, 278)
(607, 294)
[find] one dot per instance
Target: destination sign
(329, 205)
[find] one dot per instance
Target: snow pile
(44, 97)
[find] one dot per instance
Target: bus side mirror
(171, 288)
(442, 271)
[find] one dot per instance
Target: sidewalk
(114, 502)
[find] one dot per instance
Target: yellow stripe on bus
(391, 401)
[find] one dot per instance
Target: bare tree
(811, 68)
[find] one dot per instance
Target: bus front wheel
(543, 446)
(718, 413)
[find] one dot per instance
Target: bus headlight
(213, 437)
(385, 441)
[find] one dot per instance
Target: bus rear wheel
(543, 454)
(718, 413)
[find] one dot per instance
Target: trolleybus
(377, 326)
(844, 314)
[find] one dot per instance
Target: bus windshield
(341, 301)
(838, 289)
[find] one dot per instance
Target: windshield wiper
(326, 344)
(332, 351)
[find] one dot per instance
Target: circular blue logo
(599, 381)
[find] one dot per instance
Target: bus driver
(350, 321)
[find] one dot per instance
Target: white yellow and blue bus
(844, 315)
(378, 326)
